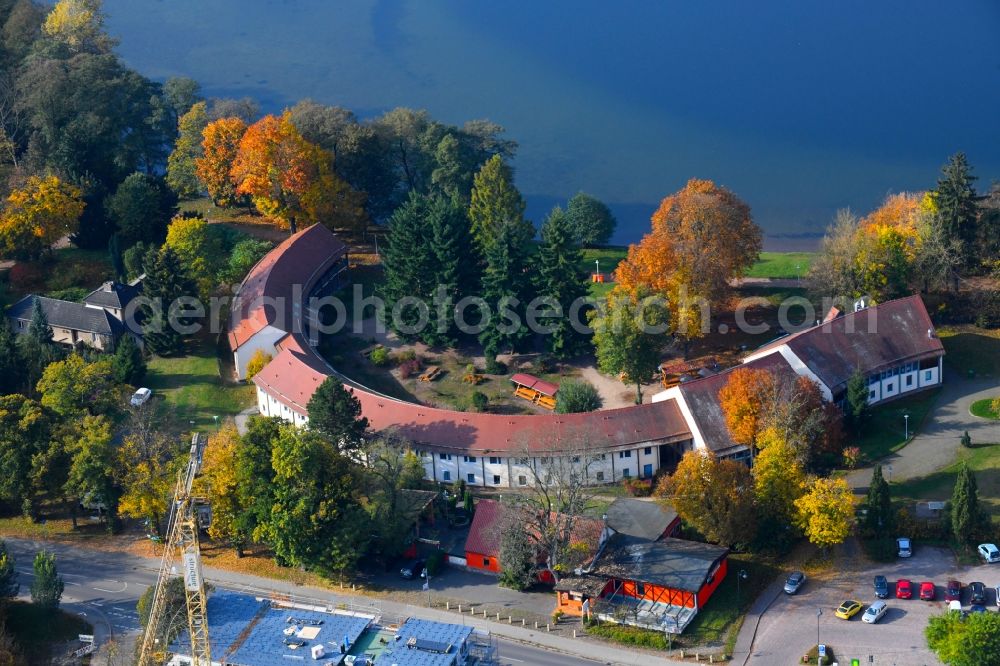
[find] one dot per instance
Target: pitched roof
(532, 382)
(872, 339)
(267, 296)
(66, 314)
(702, 398)
(113, 295)
(646, 520)
(678, 564)
(484, 533)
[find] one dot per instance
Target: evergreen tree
(505, 292)
(496, 205)
(335, 413)
(141, 208)
(165, 282)
(455, 266)
(182, 175)
(879, 519)
(856, 407)
(128, 364)
(8, 574)
(47, 587)
(955, 199)
(39, 330)
(408, 260)
(562, 281)
(117, 260)
(36, 348)
(11, 371)
(133, 258)
(967, 514)
(590, 221)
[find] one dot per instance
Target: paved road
(106, 586)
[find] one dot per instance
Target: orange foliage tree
(38, 214)
(220, 144)
(290, 179)
(746, 399)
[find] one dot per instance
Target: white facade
(903, 379)
(268, 405)
(264, 339)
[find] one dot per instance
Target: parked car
(412, 569)
(953, 591)
(848, 609)
(997, 591)
(875, 612)
(141, 397)
(794, 582)
(903, 547)
(977, 594)
(881, 587)
(989, 552)
(927, 591)
(904, 589)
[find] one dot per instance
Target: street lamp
(888, 468)
(742, 575)
(906, 425)
(597, 264)
(819, 612)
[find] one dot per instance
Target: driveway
(937, 444)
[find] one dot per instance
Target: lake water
(799, 107)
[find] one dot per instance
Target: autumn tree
(145, 465)
(335, 414)
(38, 214)
(590, 220)
(92, 466)
(25, 432)
(887, 245)
(825, 512)
(74, 386)
(714, 496)
(778, 481)
(629, 336)
(79, 24)
(200, 249)
(746, 400)
(182, 170)
(219, 147)
(220, 482)
(256, 363)
(561, 283)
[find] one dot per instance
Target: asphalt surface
(104, 587)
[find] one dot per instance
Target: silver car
(794, 582)
(875, 612)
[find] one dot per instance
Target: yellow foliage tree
(145, 470)
(218, 481)
(200, 251)
(79, 24)
(257, 362)
(778, 477)
(38, 214)
(825, 512)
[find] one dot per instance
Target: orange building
(658, 585)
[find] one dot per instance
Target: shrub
(627, 635)
(405, 355)
(74, 294)
(380, 356)
(812, 656)
(495, 367)
(966, 440)
(408, 368)
(435, 563)
(852, 456)
(638, 487)
(479, 401)
(577, 396)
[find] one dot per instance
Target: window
(469, 459)
(624, 454)
(927, 375)
(626, 473)
(909, 380)
(495, 460)
(871, 395)
(20, 323)
(446, 475)
(640, 589)
(486, 562)
(522, 480)
(890, 387)
(471, 478)
(496, 479)
(548, 478)
(445, 456)
(600, 476)
(544, 461)
(648, 451)
(575, 459)
(522, 461)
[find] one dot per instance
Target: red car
(927, 591)
(953, 592)
(904, 590)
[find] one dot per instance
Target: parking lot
(789, 627)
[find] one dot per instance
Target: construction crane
(181, 544)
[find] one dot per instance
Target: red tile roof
(533, 382)
(292, 267)
(487, 523)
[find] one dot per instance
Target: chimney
(107, 286)
(930, 333)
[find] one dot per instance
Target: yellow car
(848, 609)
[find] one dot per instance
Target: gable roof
(702, 398)
(267, 295)
(677, 564)
(69, 315)
(484, 533)
(113, 295)
(646, 520)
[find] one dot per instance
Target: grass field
(984, 409)
(782, 265)
(193, 387)
(885, 429)
(971, 350)
(983, 460)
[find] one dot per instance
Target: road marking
(512, 659)
(101, 589)
(94, 603)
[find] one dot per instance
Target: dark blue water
(801, 107)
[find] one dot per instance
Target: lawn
(609, 257)
(782, 265)
(971, 350)
(983, 460)
(193, 387)
(38, 632)
(984, 409)
(884, 430)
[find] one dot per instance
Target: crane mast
(181, 544)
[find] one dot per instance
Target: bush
(577, 396)
(812, 656)
(435, 563)
(852, 456)
(966, 440)
(638, 487)
(479, 401)
(379, 356)
(405, 355)
(26, 277)
(880, 549)
(495, 367)
(408, 368)
(627, 635)
(74, 294)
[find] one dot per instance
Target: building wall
(709, 587)
(904, 378)
(263, 339)
(479, 562)
(268, 405)
(654, 593)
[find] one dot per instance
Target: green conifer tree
(955, 198)
(967, 515)
(879, 519)
(408, 261)
(166, 281)
(562, 280)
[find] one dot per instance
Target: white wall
(263, 339)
